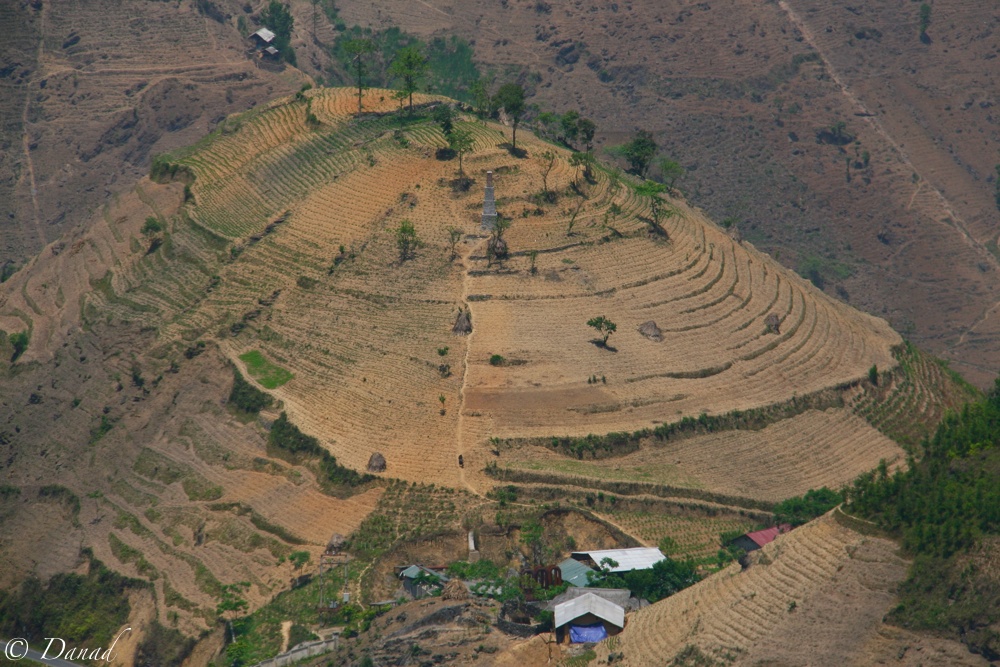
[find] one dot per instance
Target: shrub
(801, 509)
(151, 226)
(497, 360)
(19, 341)
(287, 436)
(247, 397)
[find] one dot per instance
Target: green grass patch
(263, 371)
(199, 488)
(659, 473)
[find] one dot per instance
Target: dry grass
(817, 448)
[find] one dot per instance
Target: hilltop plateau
(266, 259)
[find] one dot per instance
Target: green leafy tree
(670, 171)
(802, 509)
(151, 226)
(639, 152)
(546, 124)
(462, 142)
(410, 66)
(232, 602)
(925, 20)
(510, 97)
(406, 240)
(496, 247)
(587, 129)
(454, 235)
(359, 51)
(570, 126)
(482, 99)
(604, 327)
(548, 161)
(657, 206)
(581, 160)
(531, 537)
(444, 116)
(278, 19)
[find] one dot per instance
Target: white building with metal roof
(264, 35)
(638, 558)
(589, 618)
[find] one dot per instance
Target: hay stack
(455, 590)
(651, 331)
(463, 325)
(376, 463)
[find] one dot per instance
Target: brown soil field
(816, 595)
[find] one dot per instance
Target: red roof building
(758, 538)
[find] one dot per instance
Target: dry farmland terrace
(817, 448)
(819, 590)
(288, 249)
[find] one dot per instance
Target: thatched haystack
(336, 543)
(651, 331)
(463, 324)
(455, 590)
(376, 463)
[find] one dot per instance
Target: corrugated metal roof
(590, 604)
(415, 571)
(264, 34)
(574, 572)
(766, 536)
(620, 596)
(271, 51)
(639, 558)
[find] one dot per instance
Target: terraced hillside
(271, 246)
(817, 592)
(256, 262)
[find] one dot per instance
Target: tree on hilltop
(548, 161)
(587, 129)
(510, 98)
(461, 142)
(359, 49)
(410, 65)
(444, 116)
(657, 206)
(638, 152)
